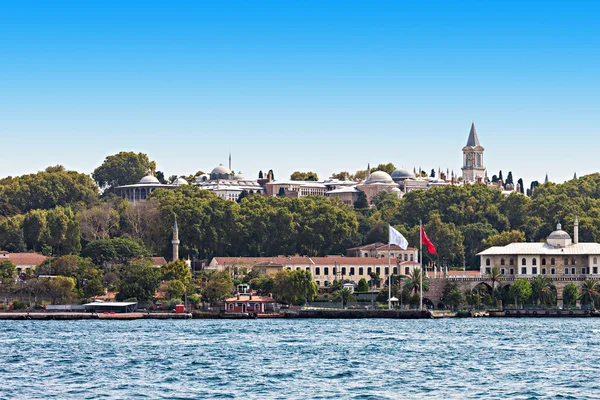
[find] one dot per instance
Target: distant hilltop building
(146, 185)
(473, 170)
(560, 256)
(225, 183)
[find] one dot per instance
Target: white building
(146, 185)
(227, 184)
(559, 256)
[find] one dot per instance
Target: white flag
(397, 238)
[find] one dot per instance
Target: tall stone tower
(473, 169)
(175, 242)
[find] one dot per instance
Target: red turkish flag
(425, 240)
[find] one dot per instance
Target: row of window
(412, 256)
(534, 271)
(352, 270)
(534, 261)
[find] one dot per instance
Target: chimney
(250, 295)
(576, 231)
(238, 296)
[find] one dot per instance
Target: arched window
(502, 261)
(552, 261)
(395, 269)
(366, 254)
(511, 261)
(573, 261)
(351, 271)
(361, 271)
(566, 261)
(369, 270)
(487, 262)
(595, 260)
(326, 270)
(378, 270)
(534, 262)
(543, 261)
(317, 271)
(343, 271)
(523, 261)
(334, 271)
(387, 270)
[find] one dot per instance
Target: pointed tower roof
(546, 180)
(473, 139)
(175, 226)
(575, 175)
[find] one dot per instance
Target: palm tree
(590, 292)
(542, 290)
(345, 296)
(413, 282)
(494, 276)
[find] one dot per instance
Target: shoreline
(303, 314)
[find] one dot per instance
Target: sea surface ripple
(301, 359)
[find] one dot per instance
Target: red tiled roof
(26, 258)
(302, 261)
(254, 299)
(159, 261)
(456, 274)
(379, 245)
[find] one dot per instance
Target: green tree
(504, 238)
(138, 280)
(218, 287)
(98, 222)
(447, 239)
(570, 295)
(344, 296)
(281, 192)
(304, 176)
(123, 168)
(452, 295)
(8, 272)
(176, 270)
(413, 282)
(520, 291)
(60, 289)
(361, 201)
(494, 277)
(362, 286)
(590, 293)
(542, 291)
(175, 290)
(387, 168)
(294, 287)
(115, 250)
(35, 229)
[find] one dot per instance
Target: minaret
(368, 170)
(230, 161)
(175, 242)
(546, 180)
(575, 175)
(576, 230)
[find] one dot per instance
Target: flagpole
(421, 275)
(389, 278)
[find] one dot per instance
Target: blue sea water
(301, 359)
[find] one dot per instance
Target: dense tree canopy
(123, 168)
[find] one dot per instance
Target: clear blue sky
(304, 85)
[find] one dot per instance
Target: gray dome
(180, 182)
(559, 233)
(238, 177)
(220, 170)
(401, 174)
(149, 180)
(380, 177)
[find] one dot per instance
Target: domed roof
(180, 182)
(149, 180)
(402, 173)
(380, 177)
(559, 234)
(220, 170)
(239, 176)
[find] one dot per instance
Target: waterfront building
(380, 250)
(250, 303)
(146, 185)
(473, 170)
(324, 270)
(23, 261)
(559, 256)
